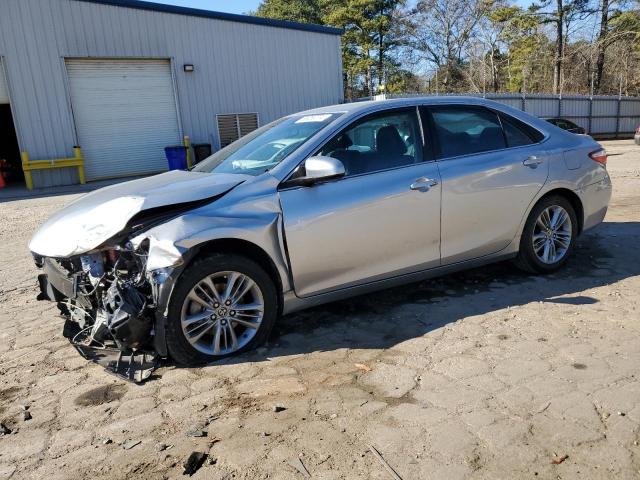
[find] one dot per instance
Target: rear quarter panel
(588, 179)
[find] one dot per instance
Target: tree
(304, 11)
(371, 35)
(624, 41)
(602, 44)
(441, 30)
(479, 45)
(560, 14)
(527, 48)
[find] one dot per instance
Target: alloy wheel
(222, 313)
(552, 234)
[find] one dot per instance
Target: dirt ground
(488, 374)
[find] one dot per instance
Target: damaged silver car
(314, 207)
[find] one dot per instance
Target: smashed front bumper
(112, 319)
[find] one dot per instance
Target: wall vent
(232, 126)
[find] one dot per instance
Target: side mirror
(318, 169)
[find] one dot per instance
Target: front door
(382, 219)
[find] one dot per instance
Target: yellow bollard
(187, 143)
(28, 179)
(77, 153)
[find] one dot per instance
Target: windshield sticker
(313, 118)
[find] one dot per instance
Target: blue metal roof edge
(232, 17)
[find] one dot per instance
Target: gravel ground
(486, 374)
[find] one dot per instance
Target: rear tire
(206, 322)
(548, 237)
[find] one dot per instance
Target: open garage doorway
(10, 165)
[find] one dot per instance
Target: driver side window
(378, 142)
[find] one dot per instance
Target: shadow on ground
(383, 319)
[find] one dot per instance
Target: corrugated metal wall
(599, 115)
(239, 67)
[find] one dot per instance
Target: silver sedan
(314, 207)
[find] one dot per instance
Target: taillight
(599, 156)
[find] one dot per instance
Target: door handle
(423, 184)
(532, 162)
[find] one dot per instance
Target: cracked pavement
(489, 373)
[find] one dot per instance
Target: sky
(230, 6)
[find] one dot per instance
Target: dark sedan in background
(567, 125)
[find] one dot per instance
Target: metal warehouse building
(124, 78)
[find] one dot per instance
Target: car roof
(359, 106)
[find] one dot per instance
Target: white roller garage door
(4, 92)
(125, 114)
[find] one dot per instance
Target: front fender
(170, 243)
(172, 246)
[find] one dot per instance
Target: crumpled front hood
(89, 221)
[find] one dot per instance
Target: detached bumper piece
(132, 365)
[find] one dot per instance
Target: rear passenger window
(517, 131)
(378, 142)
(515, 136)
(465, 130)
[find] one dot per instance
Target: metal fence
(600, 115)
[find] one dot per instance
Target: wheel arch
(244, 248)
(572, 197)
(564, 192)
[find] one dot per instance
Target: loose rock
(130, 444)
(278, 408)
(558, 461)
(194, 462)
(299, 466)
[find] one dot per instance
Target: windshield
(265, 147)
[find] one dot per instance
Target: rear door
(491, 167)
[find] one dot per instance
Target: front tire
(549, 236)
(223, 305)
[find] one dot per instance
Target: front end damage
(110, 279)
(109, 303)
(111, 259)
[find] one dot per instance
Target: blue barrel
(177, 157)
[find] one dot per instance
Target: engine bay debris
(109, 307)
(132, 365)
